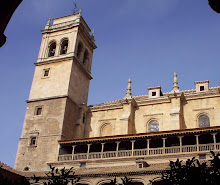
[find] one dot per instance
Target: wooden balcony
(200, 148)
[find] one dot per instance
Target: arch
(134, 181)
(79, 49)
(137, 181)
(106, 129)
(104, 182)
(203, 120)
(52, 48)
(64, 46)
(153, 126)
(85, 57)
(83, 182)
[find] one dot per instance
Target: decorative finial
(128, 93)
(48, 24)
(93, 33)
(175, 83)
(75, 10)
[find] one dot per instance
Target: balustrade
(206, 147)
(172, 150)
(79, 156)
(141, 152)
(218, 146)
(124, 153)
(109, 154)
(192, 148)
(96, 155)
(66, 157)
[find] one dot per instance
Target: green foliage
(59, 177)
(193, 172)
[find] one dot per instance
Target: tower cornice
(56, 60)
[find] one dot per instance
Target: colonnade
(180, 146)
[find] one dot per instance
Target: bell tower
(56, 108)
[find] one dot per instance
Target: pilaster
(127, 118)
(176, 111)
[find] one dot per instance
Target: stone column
(73, 151)
(197, 142)
(214, 140)
(181, 143)
(57, 52)
(103, 144)
(164, 144)
(148, 146)
(132, 148)
(88, 150)
(117, 147)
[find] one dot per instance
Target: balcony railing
(141, 152)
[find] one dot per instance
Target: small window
(140, 165)
(202, 88)
(33, 141)
(202, 157)
(82, 165)
(52, 49)
(153, 93)
(38, 111)
(46, 72)
(26, 169)
(84, 118)
(143, 165)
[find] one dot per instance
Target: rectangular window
(153, 93)
(46, 73)
(202, 88)
(84, 118)
(38, 111)
(33, 141)
(82, 165)
(140, 165)
(202, 157)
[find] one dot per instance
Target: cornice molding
(160, 134)
(57, 60)
(111, 119)
(157, 114)
(46, 98)
(202, 109)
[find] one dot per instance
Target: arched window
(204, 121)
(64, 47)
(106, 130)
(79, 50)
(52, 49)
(153, 126)
(85, 57)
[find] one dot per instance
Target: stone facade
(59, 91)
(135, 136)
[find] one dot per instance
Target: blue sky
(145, 40)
